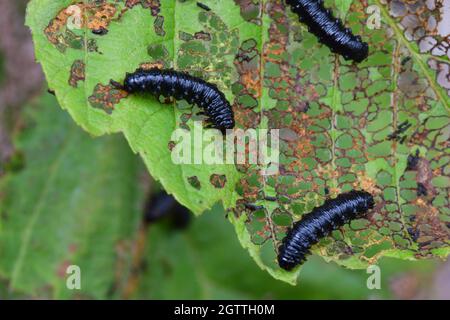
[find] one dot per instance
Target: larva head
(224, 120)
(291, 256)
(131, 83)
(227, 123)
(360, 51)
(364, 201)
(286, 262)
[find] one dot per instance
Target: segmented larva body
(329, 30)
(182, 86)
(319, 223)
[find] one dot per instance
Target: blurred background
(69, 199)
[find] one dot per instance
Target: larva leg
(116, 85)
(168, 100)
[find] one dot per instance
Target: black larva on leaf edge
(319, 223)
(182, 86)
(329, 30)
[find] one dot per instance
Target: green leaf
(74, 203)
(79, 66)
(340, 122)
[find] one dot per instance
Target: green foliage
(73, 203)
(340, 123)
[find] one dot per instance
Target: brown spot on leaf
(171, 145)
(247, 63)
(194, 182)
(62, 30)
(250, 10)
(159, 26)
(77, 73)
(202, 35)
(424, 174)
(248, 87)
(152, 65)
(106, 97)
(155, 8)
(99, 17)
(429, 226)
(218, 180)
(153, 5)
(366, 183)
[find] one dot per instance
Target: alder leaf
(381, 125)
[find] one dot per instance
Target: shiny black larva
(329, 30)
(319, 223)
(182, 86)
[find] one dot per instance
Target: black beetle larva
(182, 86)
(319, 223)
(329, 30)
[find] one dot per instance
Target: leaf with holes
(84, 45)
(381, 125)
